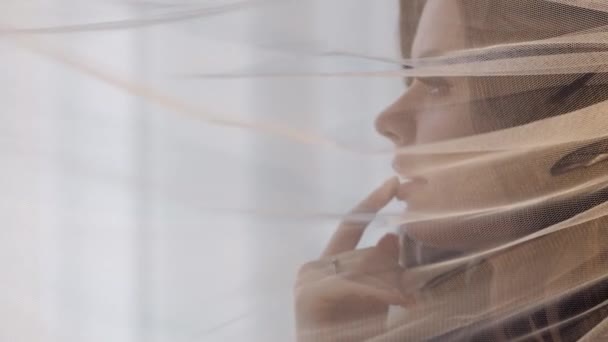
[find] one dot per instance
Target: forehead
(440, 30)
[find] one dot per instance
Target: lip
(408, 183)
(400, 168)
(408, 186)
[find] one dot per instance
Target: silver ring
(335, 264)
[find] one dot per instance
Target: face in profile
(437, 109)
(431, 109)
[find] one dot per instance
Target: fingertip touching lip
(409, 185)
(401, 169)
(405, 176)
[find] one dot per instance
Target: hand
(345, 295)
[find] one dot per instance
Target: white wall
(128, 217)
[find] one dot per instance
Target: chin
(466, 233)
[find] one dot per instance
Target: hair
(501, 22)
(410, 12)
(492, 22)
(511, 21)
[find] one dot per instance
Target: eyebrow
(434, 81)
(518, 52)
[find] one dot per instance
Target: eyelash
(437, 87)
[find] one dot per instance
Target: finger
(348, 234)
(334, 266)
(378, 260)
(389, 245)
(379, 268)
(388, 296)
(338, 288)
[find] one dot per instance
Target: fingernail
(408, 187)
(389, 244)
(391, 183)
(389, 188)
(408, 301)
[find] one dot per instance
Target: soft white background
(126, 216)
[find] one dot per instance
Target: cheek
(444, 122)
(446, 116)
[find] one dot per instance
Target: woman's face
(436, 109)
(432, 109)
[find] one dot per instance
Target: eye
(437, 86)
(439, 90)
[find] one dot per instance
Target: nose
(397, 122)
